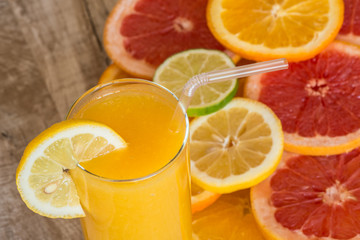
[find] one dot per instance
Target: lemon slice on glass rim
(43, 178)
(236, 147)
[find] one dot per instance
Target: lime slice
(42, 176)
(236, 147)
(179, 68)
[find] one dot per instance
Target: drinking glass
(155, 206)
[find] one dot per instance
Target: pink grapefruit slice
(350, 30)
(310, 197)
(140, 34)
(317, 101)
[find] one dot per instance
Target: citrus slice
(200, 198)
(350, 30)
(140, 34)
(42, 176)
(175, 71)
(229, 218)
(267, 29)
(317, 101)
(236, 147)
(112, 72)
(310, 197)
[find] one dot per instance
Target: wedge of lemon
(236, 147)
(43, 178)
(175, 71)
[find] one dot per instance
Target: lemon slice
(236, 147)
(42, 176)
(175, 71)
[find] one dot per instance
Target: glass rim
(133, 80)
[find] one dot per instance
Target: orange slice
(317, 101)
(229, 218)
(267, 29)
(200, 198)
(113, 72)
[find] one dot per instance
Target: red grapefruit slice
(350, 30)
(140, 34)
(310, 197)
(317, 101)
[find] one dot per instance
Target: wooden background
(51, 51)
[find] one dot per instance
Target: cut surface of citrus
(140, 34)
(317, 101)
(175, 71)
(267, 29)
(112, 72)
(200, 198)
(236, 147)
(350, 30)
(310, 197)
(229, 218)
(42, 176)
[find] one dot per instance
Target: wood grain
(50, 53)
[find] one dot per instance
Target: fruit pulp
(317, 100)
(155, 207)
(310, 197)
(140, 34)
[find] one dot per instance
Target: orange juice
(142, 191)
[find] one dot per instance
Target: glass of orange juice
(141, 191)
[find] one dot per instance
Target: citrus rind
(260, 203)
(318, 145)
(201, 199)
(200, 111)
(141, 52)
(255, 173)
(42, 176)
(176, 70)
(230, 217)
(112, 38)
(350, 38)
(260, 52)
(112, 72)
(349, 30)
(318, 182)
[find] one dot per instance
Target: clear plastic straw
(228, 74)
(223, 75)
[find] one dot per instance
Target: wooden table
(50, 53)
